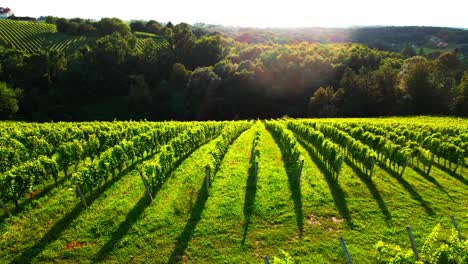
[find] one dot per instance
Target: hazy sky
(261, 13)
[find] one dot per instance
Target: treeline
(381, 37)
(204, 75)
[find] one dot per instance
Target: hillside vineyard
(232, 191)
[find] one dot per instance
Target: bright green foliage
(285, 259)
(287, 142)
(239, 210)
(69, 154)
(438, 248)
(255, 149)
(354, 149)
(19, 181)
(91, 148)
(229, 134)
(8, 100)
(116, 157)
(12, 152)
(158, 170)
(324, 148)
(422, 142)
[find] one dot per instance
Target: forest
(206, 73)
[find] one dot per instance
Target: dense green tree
(418, 82)
(13, 63)
(169, 25)
(138, 25)
(386, 82)
(56, 64)
(421, 52)
(112, 49)
(168, 34)
(183, 42)
(111, 78)
(180, 75)
(408, 51)
(154, 27)
(201, 87)
(462, 97)
(208, 50)
(108, 26)
(322, 103)
(8, 101)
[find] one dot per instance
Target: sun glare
(262, 13)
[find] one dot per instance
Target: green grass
(238, 222)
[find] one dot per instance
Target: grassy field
(240, 220)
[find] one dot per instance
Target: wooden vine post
(345, 250)
(413, 244)
(80, 194)
(454, 223)
(148, 191)
(404, 167)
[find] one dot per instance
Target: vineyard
(146, 38)
(227, 192)
(32, 37)
(35, 37)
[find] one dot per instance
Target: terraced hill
(33, 37)
(143, 37)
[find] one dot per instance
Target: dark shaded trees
(8, 101)
(208, 50)
(108, 26)
(462, 96)
(183, 41)
(210, 76)
(418, 82)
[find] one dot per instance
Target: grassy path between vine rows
(381, 207)
(154, 234)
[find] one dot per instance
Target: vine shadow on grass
(195, 217)
(294, 186)
(451, 173)
(432, 180)
(22, 205)
(372, 188)
(410, 189)
(123, 229)
(249, 203)
(335, 188)
(132, 217)
(29, 254)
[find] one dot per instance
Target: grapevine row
(323, 148)
(159, 169)
(116, 158)
(356, 151)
